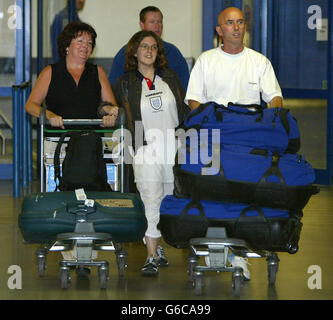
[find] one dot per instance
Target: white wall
(117, 20)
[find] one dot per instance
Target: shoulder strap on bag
(192, 114)
(56, 159)
(284, 119)
(291, 129)
(219, 113)
(129, 115)
(198, 110)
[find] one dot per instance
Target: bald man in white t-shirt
(232, 72)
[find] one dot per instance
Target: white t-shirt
(159, 118)
(239, 78)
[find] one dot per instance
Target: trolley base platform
(216, 247)
(59, 222)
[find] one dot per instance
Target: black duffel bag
(262, 228)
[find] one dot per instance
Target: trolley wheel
(41, 266)
(198, 283)
(121, 263)
(272, 271)
(237, 280)
(272, 268)
(65, 278)
(103, 275)
(190, 269)
(293, 249)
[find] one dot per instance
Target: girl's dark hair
(131, 62)
(72, 31)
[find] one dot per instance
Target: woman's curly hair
(72, 31)
(131, 62)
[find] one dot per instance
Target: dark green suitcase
(45, 215)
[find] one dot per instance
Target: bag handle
(193, 205)
(273, 170)
(245, 108)
(80, 207)
(259, 218)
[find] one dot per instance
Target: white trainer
(237, 261)
(207, 261)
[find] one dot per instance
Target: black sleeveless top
(72, 101)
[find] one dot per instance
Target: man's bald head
(222, 17)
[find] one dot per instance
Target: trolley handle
(120, 121)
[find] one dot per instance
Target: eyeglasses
(146, 47)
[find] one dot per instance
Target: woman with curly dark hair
(71, 32)
(73, 87)
(153, 96)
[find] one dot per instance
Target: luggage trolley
(46, 160)
(84, 237)
(216, 246)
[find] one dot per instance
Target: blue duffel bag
(262, 228)
(241, 174)
(273, 129)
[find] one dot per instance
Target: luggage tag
(81, 196)
(89, 202)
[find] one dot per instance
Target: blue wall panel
(210, 12)
(301, 60)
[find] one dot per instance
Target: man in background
(59, 22)
(151, 19)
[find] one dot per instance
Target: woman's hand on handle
(111, 117)
(55, 120)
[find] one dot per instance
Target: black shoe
(150, 267)
(161, 258)
(83, 272)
